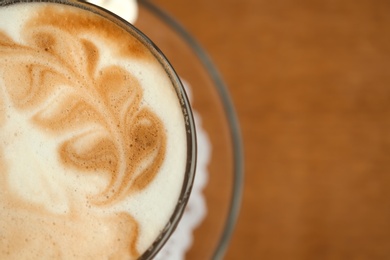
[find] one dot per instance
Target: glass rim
(233, 122)
(190, 167)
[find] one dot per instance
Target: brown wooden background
(310, 81)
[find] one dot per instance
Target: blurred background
(310, 81)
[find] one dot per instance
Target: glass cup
(186, 114)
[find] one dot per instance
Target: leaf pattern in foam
(61, 45)
(5, 40)
(128, 145)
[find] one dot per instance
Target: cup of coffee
(97, 139)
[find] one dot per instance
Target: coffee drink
(94, 143)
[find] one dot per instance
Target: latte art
(92, 137)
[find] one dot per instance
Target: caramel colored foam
(92, 143)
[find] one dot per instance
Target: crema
(93, 146)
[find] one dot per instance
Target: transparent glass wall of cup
(187, 117)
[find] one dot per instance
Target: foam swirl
(55, 88)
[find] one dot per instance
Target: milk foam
(92, 138)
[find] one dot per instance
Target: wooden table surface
(310, 81)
